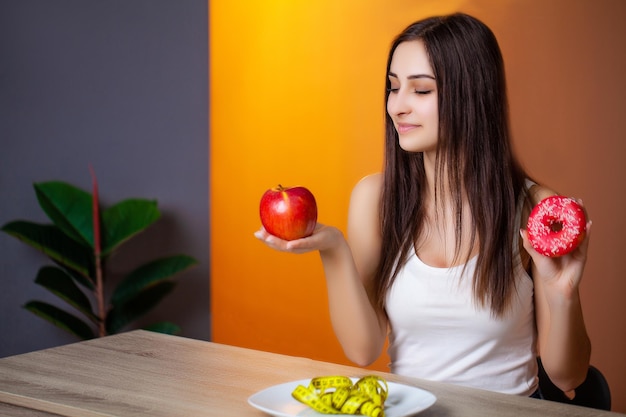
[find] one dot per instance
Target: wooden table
(142, 373)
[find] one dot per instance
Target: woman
(436, 256)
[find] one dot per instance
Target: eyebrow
(413, 77)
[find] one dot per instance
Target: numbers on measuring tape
(338, 395)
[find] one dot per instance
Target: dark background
(121, 85)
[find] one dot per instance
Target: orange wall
(296, 91)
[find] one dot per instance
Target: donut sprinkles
(556, 226)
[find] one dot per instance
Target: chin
(416, 146)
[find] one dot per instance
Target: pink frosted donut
(556, 226)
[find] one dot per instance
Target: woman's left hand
(562, 274)
(562, 342)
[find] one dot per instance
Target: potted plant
(79, 241)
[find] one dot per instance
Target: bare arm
(349, 268)
(360, 328)
(564, 345)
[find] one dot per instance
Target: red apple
(289, 213)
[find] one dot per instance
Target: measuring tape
(338, 395)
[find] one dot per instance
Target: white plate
(402, 401)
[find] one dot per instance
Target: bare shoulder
(365, 199)
(364, 233)
(368, 188)
(538, 192)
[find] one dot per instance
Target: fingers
(271, 240)
(276, 243)
(324, 238)
(538, 259)
(564, 271)
(527, 245)
(261, 234)
(581, 250)
(585, 243)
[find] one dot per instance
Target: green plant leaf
(69, 208)
(63, 286)
(61, 319)
(149, 274)
(123, 314)
(125, 219)
(77, 277)
(50, 240)
(164, 327)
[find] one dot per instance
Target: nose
(397, 104)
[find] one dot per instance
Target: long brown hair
(474, 149)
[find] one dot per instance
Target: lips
(405, 127)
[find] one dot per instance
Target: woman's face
(412, 101)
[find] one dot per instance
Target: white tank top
(437, 332)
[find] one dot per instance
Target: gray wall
(121, 85)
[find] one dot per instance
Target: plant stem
(97, 257)
(100, 297)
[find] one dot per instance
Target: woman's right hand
(323, 238)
